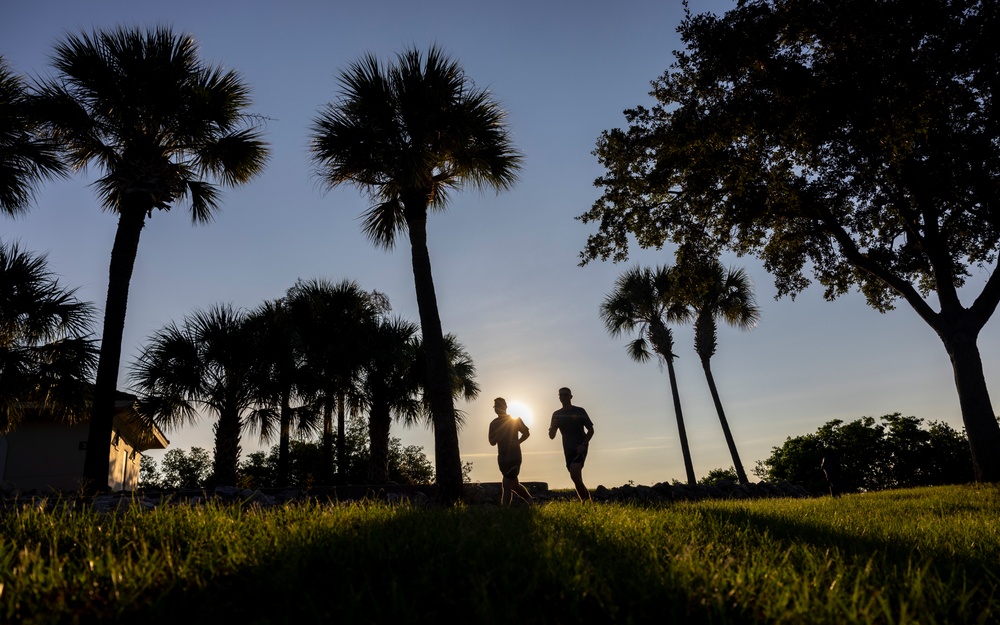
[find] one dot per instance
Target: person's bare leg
(576, 473)
(506, 494)
(521, 491)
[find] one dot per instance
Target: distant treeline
(899, 452)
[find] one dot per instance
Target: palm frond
(142, 106)
(27, 156)
(411, 132)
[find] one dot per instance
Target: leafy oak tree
(855, 140)
(894, 451)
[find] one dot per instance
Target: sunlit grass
(926, 555)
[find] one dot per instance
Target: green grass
(912, 556)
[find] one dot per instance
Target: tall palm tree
(334, 320)
(210, 361)
(46, 355)
(643, 301)
(281, 356)
(717, 293)
(407, 134)
(26, 157)
(162, 126)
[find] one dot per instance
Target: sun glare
(521, 410)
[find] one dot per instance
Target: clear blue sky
(505, 267)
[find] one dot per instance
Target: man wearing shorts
(507, 433)
(577, 430)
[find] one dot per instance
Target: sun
(521, 410)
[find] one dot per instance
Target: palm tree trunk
(123, 253)
(740, 473)
(379, 423)
(685, 449)
(977, 410)
(285, 426)
(327, 471)
(227, 446)
(341, 439)
(447, 458)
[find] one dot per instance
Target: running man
(507, 433)
(577, 430)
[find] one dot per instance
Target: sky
(506, 266)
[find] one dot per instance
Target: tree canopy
(26, 157)
(47, 353)
(899, 452)
(851, 140)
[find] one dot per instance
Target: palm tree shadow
(479, 564)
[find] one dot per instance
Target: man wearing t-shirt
(507, 433)
(577, 430)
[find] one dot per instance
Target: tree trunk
(227, 446)
(737, 464)
(341, 439)
(327, 470)
(285, 427)
(977, 411)
(379, 423)
(102, 412)
(685, 449)
(447, 458)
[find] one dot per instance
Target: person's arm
(588, 427)
(493, 438)
(552, 427)
(525, 433)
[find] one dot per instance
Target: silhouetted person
(577, 430)
(831, 469)
(507, 433)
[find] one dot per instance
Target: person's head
(500, 405)
(565, 394)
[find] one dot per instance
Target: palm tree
(334, 320)
(281, 356)
(26, 157)
(718, 293)
(389, 387)
(161, 125)
(210, 361)
(46, 355)
(461, 378)
(407, 134)
(643, 302)
(394, 384)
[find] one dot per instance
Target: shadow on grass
(482, 564)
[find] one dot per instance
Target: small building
(44, 454)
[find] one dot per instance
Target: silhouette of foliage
(162, 127)
(896, 453)
(406, 464)
(408, 134)
(855, 141)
